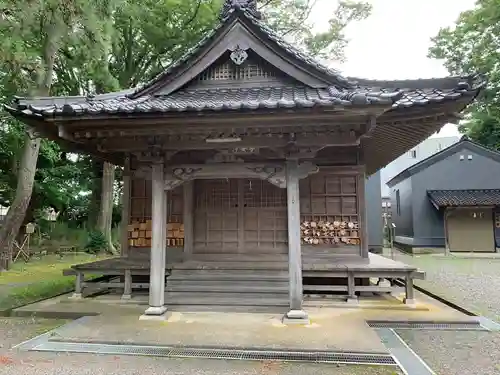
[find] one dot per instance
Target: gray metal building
(449, 200)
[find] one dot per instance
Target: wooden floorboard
(324, 262)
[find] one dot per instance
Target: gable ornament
(238, 55)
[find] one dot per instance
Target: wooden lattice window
(261, 194)
(329, 209)
(216, 194)
(229, 71)
(139, 229)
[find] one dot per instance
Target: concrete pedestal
(296, 317)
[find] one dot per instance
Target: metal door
(471, 230)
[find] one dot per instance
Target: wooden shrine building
(247, 158)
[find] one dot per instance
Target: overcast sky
(393, 42)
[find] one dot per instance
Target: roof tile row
(457, 198)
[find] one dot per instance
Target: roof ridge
(234, 12)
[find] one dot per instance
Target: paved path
(16, 330)
(470, 283)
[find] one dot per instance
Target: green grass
(38, 279)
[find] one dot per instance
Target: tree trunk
(17, 210)
(27, 167)
(106, 211)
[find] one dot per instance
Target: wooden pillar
(125, 209)
(409, 297)
(362, 216)
(296, 314)
(78, 285)
(127, 286)
(351, 288)
(446, 213)
(157, 307)
(187, 218)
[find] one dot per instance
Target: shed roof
(462, 198)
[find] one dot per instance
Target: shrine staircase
(229, 282)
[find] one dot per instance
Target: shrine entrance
(239, 216)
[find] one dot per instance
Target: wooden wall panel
(140, 215)
(329, 208)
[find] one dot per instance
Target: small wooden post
(409, 298)
(125, 209)
(127, 289)
(159, 223)
(296, 314)
(446, 238)
(78, 285)
(351, 288)
(187, 214)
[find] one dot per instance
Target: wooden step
(218, 299)
(261, 283)
(209, 277)
(245, 273)
(228, 288)
(282, 309)
(240, 258)
(193, 265)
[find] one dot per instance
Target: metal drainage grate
(242, 354)
(443, 326)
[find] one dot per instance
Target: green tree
(31, 35)
(472, 45)
(291, 19)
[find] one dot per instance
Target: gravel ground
(16, 330)
(470, 283)
(456, 353)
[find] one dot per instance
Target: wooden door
(264, 217)
(217, 218)
(240, 216)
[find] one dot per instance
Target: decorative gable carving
(227, 72)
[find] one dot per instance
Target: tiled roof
(265, 29)
(457, 198)
(342, 91)
(239, 98)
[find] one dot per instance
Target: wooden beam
(132, 144)
(182, 121)
(64, 134)
(369, 127)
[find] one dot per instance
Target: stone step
(228, 288)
